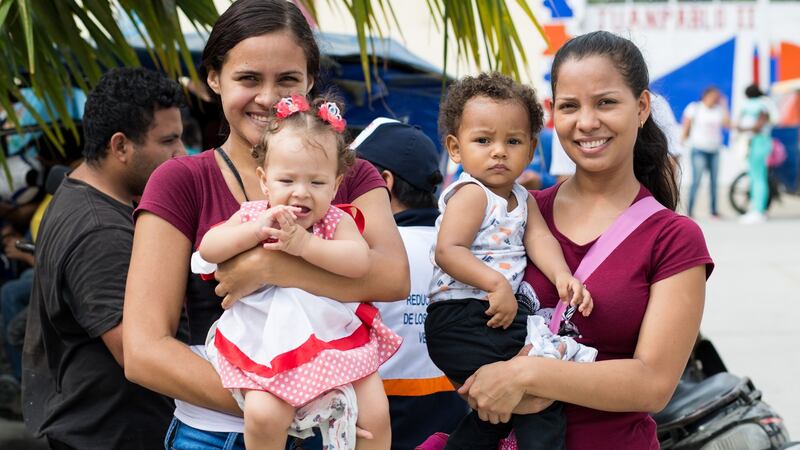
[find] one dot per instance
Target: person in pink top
(257, 52)
(649, 292)
(279, 349)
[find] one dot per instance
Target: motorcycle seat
(692, 400)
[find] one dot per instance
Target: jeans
(183, 437)
(703, 160)
(14, 297)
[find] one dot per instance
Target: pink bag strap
(625, 224)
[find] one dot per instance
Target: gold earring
(641, 124)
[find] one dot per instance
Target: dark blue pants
(415, 418)
(14, 298)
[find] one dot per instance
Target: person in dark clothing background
(74, 388)
(421, 399)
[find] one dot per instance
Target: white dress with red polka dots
(297, 345)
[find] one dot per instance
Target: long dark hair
(248, 18)
(651, 161)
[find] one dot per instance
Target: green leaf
(5, 6)
(27, 26)
(50, 45)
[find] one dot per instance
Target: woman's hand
(387, 280)
(244, 274)
(492, 392)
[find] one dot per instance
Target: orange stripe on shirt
(417, 387)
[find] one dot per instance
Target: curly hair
(493, 85)
(125, 100)
(312, 125)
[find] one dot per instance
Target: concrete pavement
(752, 302)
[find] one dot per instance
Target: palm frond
(50, 46)
(483, 30)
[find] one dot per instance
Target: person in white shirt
(422, 400)
(703, 122)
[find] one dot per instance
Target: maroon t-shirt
(664, 245)
(191, 194)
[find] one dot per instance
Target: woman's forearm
(646, 381)
(154, 296)
(388, 277)
(385, 281)
(169, 367)
(614, 385)
(643, 382)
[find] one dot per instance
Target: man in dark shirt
(74, 387)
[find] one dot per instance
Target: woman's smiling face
(596, 115)
(256, 73)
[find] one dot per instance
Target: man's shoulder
(78, 212)
(79, 203)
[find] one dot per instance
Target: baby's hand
(502, 307)
(574, 293)
(268, 220)
(291, 237)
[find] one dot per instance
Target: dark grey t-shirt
(73, 389)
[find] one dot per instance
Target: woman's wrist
(522, 370)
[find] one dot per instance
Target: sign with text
(671, 17)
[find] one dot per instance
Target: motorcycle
(713, 409)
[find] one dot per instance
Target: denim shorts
(183, 437)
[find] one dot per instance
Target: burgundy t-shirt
(664, 245)
(191, 194)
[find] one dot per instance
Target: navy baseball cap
(402, 149)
